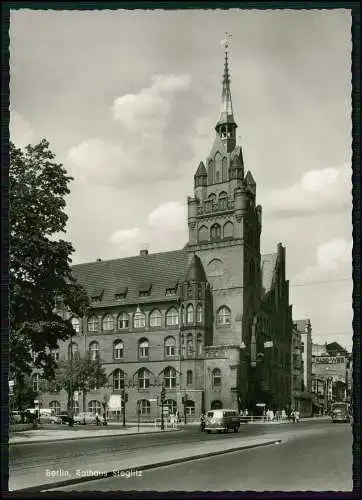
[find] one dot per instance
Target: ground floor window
(190, 408)
(144, 406)
(171, 405)
(55, 407)
(94, 406)
(216, 405)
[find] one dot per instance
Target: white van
(222, 420)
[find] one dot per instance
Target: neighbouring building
(210, 322)
(304, 328)
(297, 384)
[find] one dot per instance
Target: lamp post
(163, 395)
(71, 388)
(138, 415)
(124, 399)
(184, 402)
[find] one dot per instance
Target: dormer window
(145, 289)
(171, 288)
(120, 293)
(97, 295)
(170, 291)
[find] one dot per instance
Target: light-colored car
(15, 417)
(222, 420)
(85, 418)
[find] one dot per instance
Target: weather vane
(226, 41)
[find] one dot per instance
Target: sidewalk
(43, 435)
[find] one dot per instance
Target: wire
(311, 283)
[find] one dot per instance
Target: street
(317, 462)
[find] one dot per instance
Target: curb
(69, 482)
(50, 440)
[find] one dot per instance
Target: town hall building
(210, 322)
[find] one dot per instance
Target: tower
(224, 228)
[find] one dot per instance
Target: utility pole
(71, 388)
(163, 396)
(124, 399)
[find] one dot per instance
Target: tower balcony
(208, 207)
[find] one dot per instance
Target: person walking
(202, 421)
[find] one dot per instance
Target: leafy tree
(39, 260)
(24, 394)
(80, 374)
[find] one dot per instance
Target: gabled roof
(201, 171)
(249, 179)
(196, 271)
(133, 273)
(268, 265)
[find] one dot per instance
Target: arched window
(183, 350)
(55, 354)
(92, 324)
(72, 350)
(169, 375)
(118, 380)
(212, 197)
(75, 407)
(36, 382)
(139, 320)
(123, 321)
(216, 377)
(55, 407)
(199, 344)
(210, 172)
(190, 408)
(182, 315)
(171, 405)
(190, 314)
(93, 350)
(155, 318)
(218, 163)
(223, 200)
(224, 170)
(75, 324)
(215, 232)
(223, 316)
(216, 405)
(199, 313)
(172, 317)
(217, 176)
(190, 346)
(228, 230)
(144, 406)
(203, 234)
(118, 349)
(94, 407)
(143, 348)
(143, 378)
(214, 268)
(170, 346)
(108, 323)
(189, 377)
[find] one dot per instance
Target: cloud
(169, 215)
(127, 241)
(318, 191)
(21, 133)
(142, 154)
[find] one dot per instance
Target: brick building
(210, 322)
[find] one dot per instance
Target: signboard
(329, 360)
(268, 344)
(260, 404)
(152, 400)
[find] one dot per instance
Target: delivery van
(222, 421)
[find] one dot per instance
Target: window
(36, 382)
(182, 315)
(108, 323)
(155, 318)
(224, 170)
(171, 405)
(143, 348)
(118, 380)
(228, 230)
(172, 317)
(118, 349)
(210, 172)
(58, 303)
(94, 407)
(139, 320)
(190, 314)
(199, 344)
(189, 291)
(144, 406)
(215, 268)
(120, 293)
(93, 386)
(190, 408)
(189, 377)
(55, 354)
(92, 324)
(215, 232)
(223, 316)
(170, 377)
(216, 378)
(75, 324)
(170, 291)
(189, 344)
(93, 350)
(170, 346)
(145, 289)
(73, 350)
(123, 321)
(199, 313)
(55, 407)
(203, 234)
(223, 201)
(143, 378)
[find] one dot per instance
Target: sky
(128, 101)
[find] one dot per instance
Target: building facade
(211, 323)
(304, 328)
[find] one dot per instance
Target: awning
(115, 402)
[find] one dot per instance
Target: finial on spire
(226, 41)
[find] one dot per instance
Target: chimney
(99, 260)
(144, 249)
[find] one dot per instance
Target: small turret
(200, 182)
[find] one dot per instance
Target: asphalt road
(318, 462)
(30, 456)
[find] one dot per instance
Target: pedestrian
(202, 422)
(271, 415)
(97, 419)
(297, 417)
(104, 419)
(284, 415)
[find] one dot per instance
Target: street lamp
(163, 396)
(125, 400)
(184, 402)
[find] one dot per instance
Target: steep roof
(201, 170)
(155, 272)
(268, 264)
(196, 271)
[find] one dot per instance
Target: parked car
(222, 420)
(86, 418)
(64, 417)
(15, 417)
(340, 412)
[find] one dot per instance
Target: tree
(39, 260)
(80, 374)
(24, 394)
